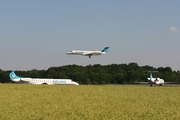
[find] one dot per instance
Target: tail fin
(105, 49)
(12, 75)
(150, 74)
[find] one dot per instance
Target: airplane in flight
(88, 53)
(40, 81)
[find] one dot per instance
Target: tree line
(99, 74)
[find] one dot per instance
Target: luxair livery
(40, 81)
(88, 53)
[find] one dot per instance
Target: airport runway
(166, 85)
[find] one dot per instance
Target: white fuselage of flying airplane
(88, 53)
(85, 53)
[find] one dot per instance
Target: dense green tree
(4, 77)
(100, 74)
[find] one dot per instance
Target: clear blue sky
(36, 34)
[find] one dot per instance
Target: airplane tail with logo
(105, 49)
(12, 75)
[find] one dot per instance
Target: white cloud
(173, 29)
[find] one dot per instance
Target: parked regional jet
(40, 81)
(88, 53)
(151, 80)
(157, 81)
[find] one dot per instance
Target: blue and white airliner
(88, 53)
(157, 81)
(152, 80)
(40, 81)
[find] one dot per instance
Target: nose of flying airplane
(69, 52)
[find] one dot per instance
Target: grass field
(46, 102)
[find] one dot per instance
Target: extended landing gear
(89, 56)
(151, 85)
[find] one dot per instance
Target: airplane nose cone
(76, 83)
